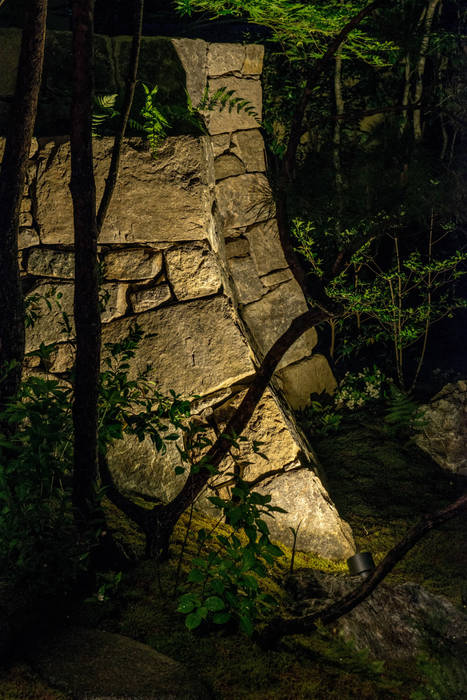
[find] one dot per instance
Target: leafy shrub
(225, 583)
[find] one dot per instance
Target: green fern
(403, 413)
(226, 99)
(154, 123)
(104, 110)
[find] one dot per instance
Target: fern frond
(224, 98)
(104, 110)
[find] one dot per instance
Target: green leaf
(221, 618)
(196, 576)
(246, 624)
(214, 603)
(193, 620)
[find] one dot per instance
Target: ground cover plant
(370, 480)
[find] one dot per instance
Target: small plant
(403, 413)
(360, 388)
(225, 583)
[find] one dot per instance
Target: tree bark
(281, 627)
(86, 296)
(420, 69)
(12, 181)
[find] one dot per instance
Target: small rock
(444, 432)
(90, 663)
(145, 299)
(132, 264)
(192, 271)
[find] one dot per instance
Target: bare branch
(281, 627)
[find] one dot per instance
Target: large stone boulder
(90, 663)
(444, 432)
(395, 622)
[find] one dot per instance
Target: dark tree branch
(126, 108)
(86, 293)
(158, 523)
(313, 75)
(281, 627)
(311, 285)
(12, 179)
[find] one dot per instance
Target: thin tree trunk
(417, 123)
(86, 297)
(127, 102)
(12, 181)
(311, 286)
(281, 627)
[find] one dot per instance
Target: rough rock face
(190, 251)
(444, 433)
(393, 623)
(90, 663)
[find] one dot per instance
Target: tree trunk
(86, 297)
(12, 181)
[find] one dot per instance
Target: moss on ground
(381, 486)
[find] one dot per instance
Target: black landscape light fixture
(361, 564)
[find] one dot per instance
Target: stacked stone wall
(190, 250)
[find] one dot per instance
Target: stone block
(309, 376)
(247, 284)
(266, 248)
(25, 219)
(154, 200)
(220, 144)
(225, 58)
(115, 301)
(237, 248)
(221, 121)
(269, 317)
(132, 264)
(192, 271)
(195, 347)
(144, 299)
(27, 238)
(63, 358)
(308, 505)
(193, 55)
(253, 63)
(46, 262)
(267, 426)
(249, 147)
(228, 166)
(295, 487)
(244, 200)
(277, 277)
(49, 326)
(137, 466)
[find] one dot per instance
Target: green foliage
(358, 389)
(104, 111)
(403, 414)
(224, 584)
(223, 98)
(404, 295)
(154, 124)
(302, 29)
(38, 541)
